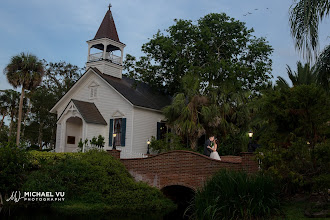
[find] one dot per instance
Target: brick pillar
(114, 153)
(249, 163)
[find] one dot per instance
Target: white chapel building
(104, 102)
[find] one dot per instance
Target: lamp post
(250, 141)
(148, 142)
(113, 143)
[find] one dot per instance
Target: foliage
(298, 167)
(98, 142)
(323, 68)
(305, 75)
(216, 49)
(190, 113)
(94, 143)
(294, 112)
(27, 71)
(60, 77)
(9, 106)
(294, 129)
(40, 128)
(13, 165)
(236, 195)
(96, 178)
(233, 145)
(42, 158)
(305, 16)
(170, 142)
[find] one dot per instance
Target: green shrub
(95, 178)
(170, 142)
(236, 195)
(41, 158)
(14, 162)
(298, 167)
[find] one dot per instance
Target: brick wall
(184, 168)
(114, 153)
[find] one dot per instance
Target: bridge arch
(182, 196)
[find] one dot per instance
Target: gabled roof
(138, 93)
(89, 112)
(107, 28)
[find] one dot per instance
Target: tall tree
(216, 49)
(42, 101)
(59, 77)
(24, 70)
(305, 16)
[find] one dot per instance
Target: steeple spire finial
(110, 6)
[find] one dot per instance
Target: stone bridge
(183, 168)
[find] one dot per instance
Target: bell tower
(106, 42)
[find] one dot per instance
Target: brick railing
(184, 168)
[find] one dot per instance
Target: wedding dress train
(215, 155)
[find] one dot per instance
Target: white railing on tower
(108, 56)
(95, 57)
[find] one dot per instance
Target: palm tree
(305, 75)
(305, 16)
(322, 67)
(190, 112)
(27, 71)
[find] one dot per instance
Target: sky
(57, 30)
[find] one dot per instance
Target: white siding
(107, 68)
(58, 138)
(145, 126)
(94, 130)
(108, 101)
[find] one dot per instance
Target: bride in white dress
(214, 154)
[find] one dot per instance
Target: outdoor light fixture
(113, 143)
(250, 149)
(148, 142)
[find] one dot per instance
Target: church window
(93, 92)
(118, 127)
(117, 130)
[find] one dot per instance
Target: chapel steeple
(106, 40)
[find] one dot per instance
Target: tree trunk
(193, 143)
(20, 109)
(25, 117)
(40, 135)
(3, 118)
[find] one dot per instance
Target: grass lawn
(294, 210)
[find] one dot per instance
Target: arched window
(117, 130)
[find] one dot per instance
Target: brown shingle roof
(107, 28)
(89, 112)
(138, 93)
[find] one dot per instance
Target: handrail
(108, 56)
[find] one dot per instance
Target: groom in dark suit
(208, 151)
